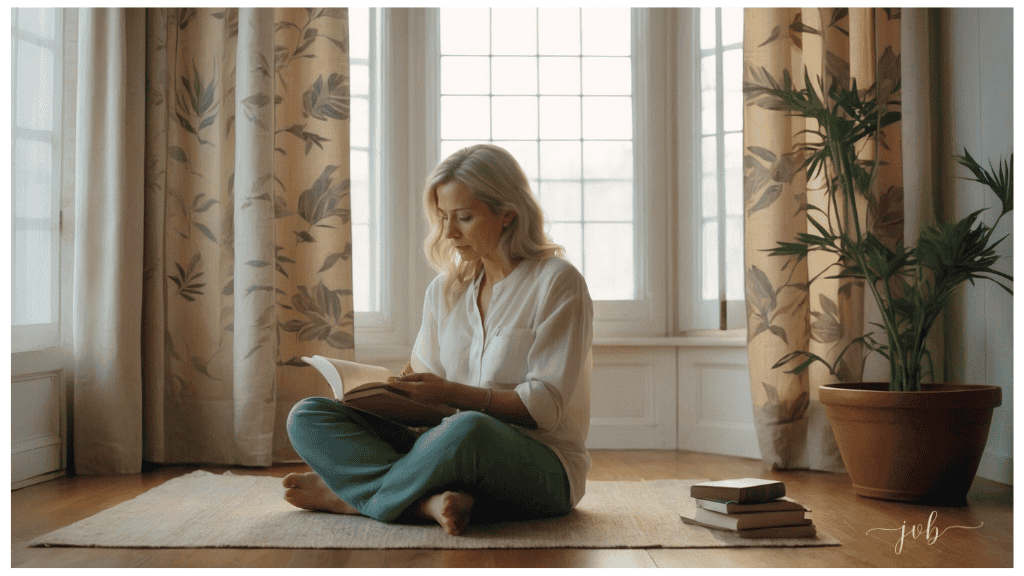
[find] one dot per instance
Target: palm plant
(911, 285)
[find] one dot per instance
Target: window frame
(696, 316)
(410, 151)
(31, 338)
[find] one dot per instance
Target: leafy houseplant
(901, 440)
(910, 285)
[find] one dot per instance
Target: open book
(364, 387)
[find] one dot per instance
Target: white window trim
(407, 156)
(57, 358)
(694, 316)
(32, 337)
(411, 141)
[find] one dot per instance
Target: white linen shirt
(536, 340)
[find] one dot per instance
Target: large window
(366, 241)
(36, 47)
(627, 122)
(718, 300)
(554, 87)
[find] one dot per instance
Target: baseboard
(996, 467)
(37, 479)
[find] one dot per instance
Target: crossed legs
(470, 463)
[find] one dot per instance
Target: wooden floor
(988, 542)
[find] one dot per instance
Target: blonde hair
(493, 177)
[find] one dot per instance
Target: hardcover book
(364, 387)
(801, 531)
(739, 490)
(750, 519)
(727, 507)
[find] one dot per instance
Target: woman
(506, 338)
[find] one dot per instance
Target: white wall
(977, 66)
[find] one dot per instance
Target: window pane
(33, 166)
(34, 87)
(514, 75)
(360, 191)
(709, 261)
(707, 28)
(465, 75)
(732, 75)
(359, 127)
(466, 118)
(363, 292)
(560, 117)
(734, 258)
(465, 31)
(563, 139)
(560, 161)
(570, 236)
(360, 79)
(517, 33)
(514, 117)
(37, 21)
(559, 75)
(708, 96)
(525, 153)
(608, 202)
(358, 34)
(603, 32)
(560, 200)
(607, 118)
(732, 26)
(34, 292)
(559, 31)
(734, 174)
(603, 160)
(608, 261)
(709, 177)
(607, 76)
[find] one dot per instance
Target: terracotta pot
(911, 446)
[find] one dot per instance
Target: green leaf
(206, 231)
(178, 154)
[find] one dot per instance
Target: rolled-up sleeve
(563, 332)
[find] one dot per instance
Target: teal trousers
(381, 468)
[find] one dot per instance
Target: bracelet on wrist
(487, 403)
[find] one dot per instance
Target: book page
(344, 375)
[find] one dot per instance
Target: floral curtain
(247, 232)
(792, 305)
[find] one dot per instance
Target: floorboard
(977, 535)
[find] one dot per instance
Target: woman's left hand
(425, 387)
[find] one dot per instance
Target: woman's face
(469, 223)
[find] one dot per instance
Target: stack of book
(750, 508)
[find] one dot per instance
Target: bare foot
(309, 491)
(450, 509)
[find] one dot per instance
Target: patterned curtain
(247, 232)
(791, 304)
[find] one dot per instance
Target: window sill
(711, 339)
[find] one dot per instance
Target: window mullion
(720, 169)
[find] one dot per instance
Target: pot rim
(948, 396)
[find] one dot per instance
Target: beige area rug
(206, 510)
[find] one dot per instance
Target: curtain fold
(107, 285)
(240, 260)
(791, 303)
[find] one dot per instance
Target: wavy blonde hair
(493, 177)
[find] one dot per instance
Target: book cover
(751, 519)
(726, 507)
(802, 531)
(363, 387)
(739, 490)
